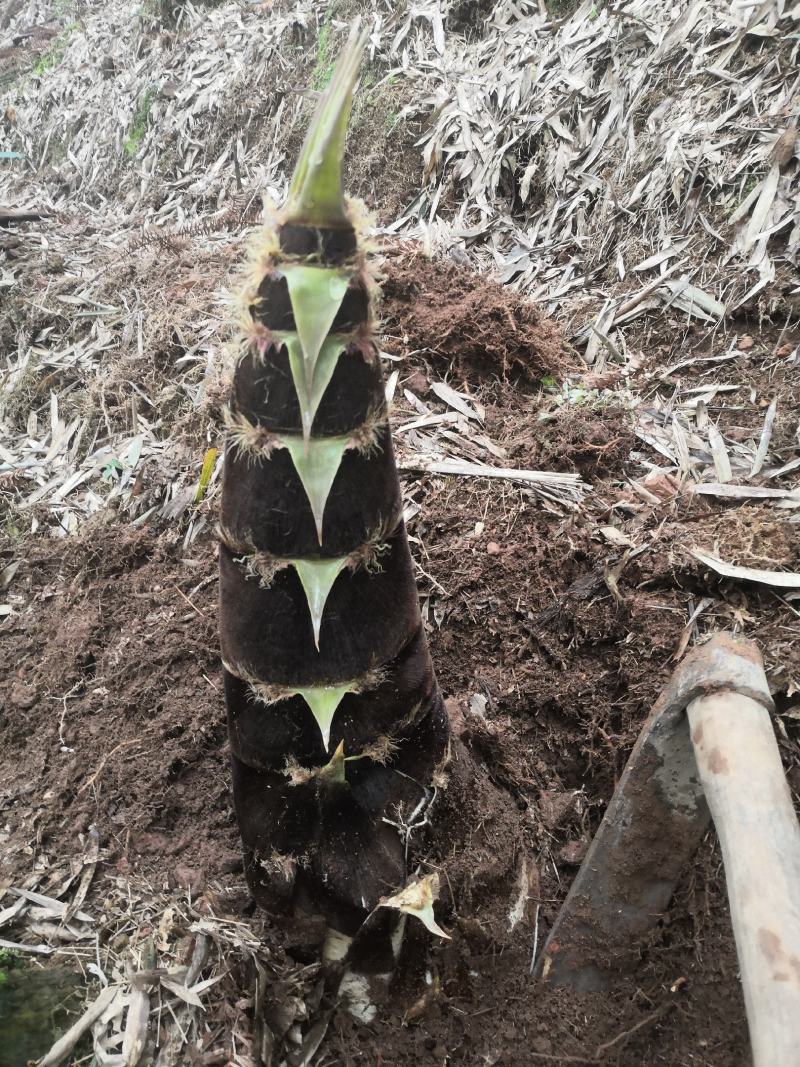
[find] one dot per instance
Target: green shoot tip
(333, 771)
(316, 197)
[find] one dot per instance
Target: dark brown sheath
(319, 799)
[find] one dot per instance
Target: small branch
(615, 1042)
(93, 778)
(9, 217)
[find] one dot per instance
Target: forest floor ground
(550, 642)
(555, 619)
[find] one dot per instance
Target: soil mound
(466, 322)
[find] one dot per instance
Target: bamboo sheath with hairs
(335, 718)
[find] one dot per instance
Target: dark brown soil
(551, 645)
(434, 309)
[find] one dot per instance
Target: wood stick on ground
(746, 790)
(652, 827)
(8, 216)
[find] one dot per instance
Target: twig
(194, 607)
(90, 781)
(8, 216)
(607, 1046)
(555, 1057)
(535, 939)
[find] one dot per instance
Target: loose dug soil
(551, 645)
(435, 309)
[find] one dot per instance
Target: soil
(479, 330)
(550, 643)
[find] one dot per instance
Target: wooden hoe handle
(707, 750)
(743, 780)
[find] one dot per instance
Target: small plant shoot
(336, 721)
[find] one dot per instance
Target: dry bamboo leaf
(7, 574)
(463, 404)
(65, 1044)
(778, 579)
(416, 898)
(87, 874)
(763, 207)
(136, 1023)
(766, 436)
(693, 300)
(188, 996)
(10, 913)
(568, 486)
(722, 463)
(614, 536)
(36, 950)
(792, 465)
(745, 492)
(55, 907)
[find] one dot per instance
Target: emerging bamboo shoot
(336, 721)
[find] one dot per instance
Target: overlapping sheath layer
(321, 634)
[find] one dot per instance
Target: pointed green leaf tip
(323, 700)
(315, 194)
(317, 577)
(316, 294)
(333, 771)
(316, 462)
(309, 399)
